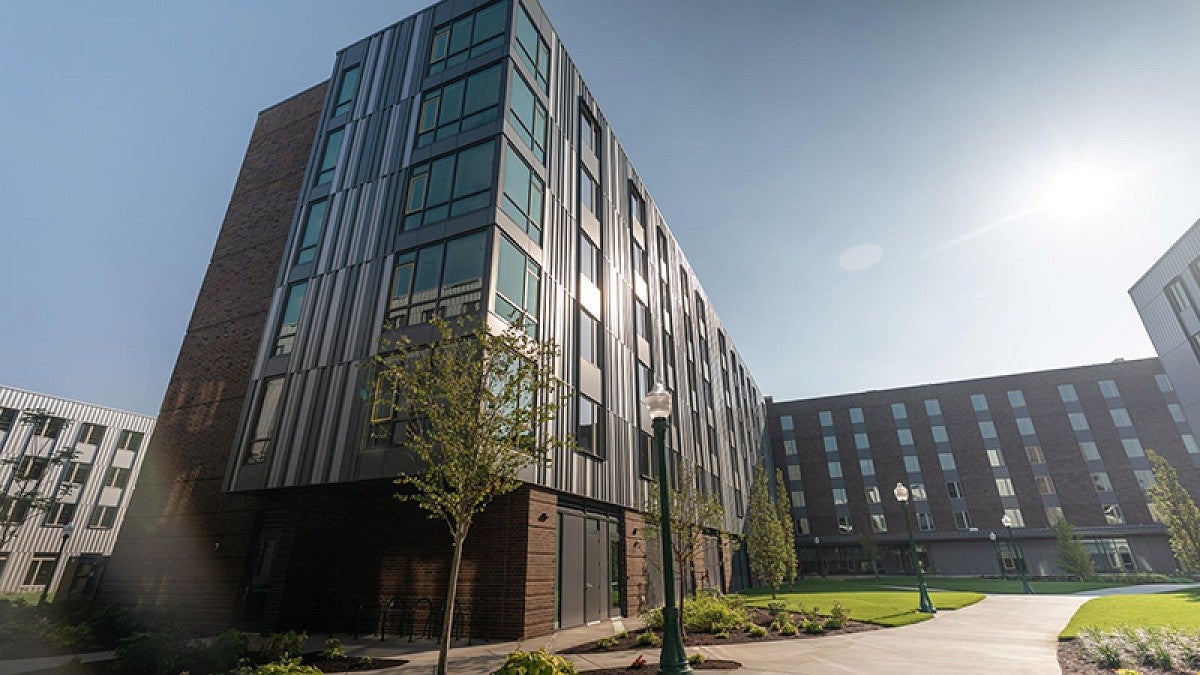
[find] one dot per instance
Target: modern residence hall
(455, 164)
(1065, 443)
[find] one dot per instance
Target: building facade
(81, 461)
(455, 164)
(1035, 447)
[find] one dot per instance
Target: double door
(588, 588)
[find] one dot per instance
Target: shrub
(606, 642)
(280, 646)
(724, 635)
(171, 651)
(290, 666)
(695, 659)
(333, 649)
(536, 663)
(776, 608)
(784, 626)
(757, 631)
(654, 618)
(649, 639)
(712, 613)
(814, 626)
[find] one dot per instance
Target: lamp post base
(673, 660)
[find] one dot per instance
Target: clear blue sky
(1012, 168)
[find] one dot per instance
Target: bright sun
(1081, 192)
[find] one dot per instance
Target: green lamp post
(901, 494)
(673, 660)
(1007, 523)
(999, 561)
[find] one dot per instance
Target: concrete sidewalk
(1142, 589)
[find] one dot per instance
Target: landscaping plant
(535, 663)
(1073, 558)
(766, 538)
(1177, 510)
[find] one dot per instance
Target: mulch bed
(709, 664)
(759, 616)
(349, 664)
(1073, 662)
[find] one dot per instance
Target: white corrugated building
(90, 490)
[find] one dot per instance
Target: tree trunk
(451, 592)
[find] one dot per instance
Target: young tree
(870, 547)
(766, 542)
(1073, 558)
(1176, 509)
(693, 511)
(478, 406)
(32, 470)
(783, 505)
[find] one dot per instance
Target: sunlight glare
(1081, 192)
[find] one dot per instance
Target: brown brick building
(454, 164)
(1067, 443)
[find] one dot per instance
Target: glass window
(590, 263)
(1025, 426)
(789, 446)
(590, 338)
(533, 49)
(835, 469)
(987, 429)
(1045, 485)
(77, 474)
(1101, 482)
(346, 91)
(1016, 398)
(449, 186)
(524, 193)
(873, 494)
(1189, 442)
(962, 520)
(878, 522)
(946, 460)
(912, 464)
(588, 194)
(1145, 478)
(59, 514)
(826, 418)
(528, 117)
(802, 526)
(41, 570)
(467, 37)
(1054, 514)
(939, 434)
(641, 267)
(844, 525)
(588, 436)
(798, 500)
(933, 407)
(830, 444)
(867, 467)
(953, 489)
(285, 336)
(1133, 447)
(1109, 389)
(1005, 487)
(1178, 296)
(860, 441)
(1066, 392)
(904, 436)
(1015, 516)
(917, 493)
(417, 295)
(856, 415)
(264, 425)
(1113, 515)
(1120, 417)
(1089, 450)
(1035, 455)
(899, 411)
(641, 320)
(995, 457)
(1176, 412)
(333, 146)
(130, 440)
(517, 287)
(90, 434)
(32, 468)
(793, 472)
(589, 135)
(48, 426)
(787, 423)
(312, 231)
(924, 521)
(1078, 421)
(1163, 382)
(459, 105)
(979, 402)
(839, 496)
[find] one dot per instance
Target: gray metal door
(595, 556)
(570, 570)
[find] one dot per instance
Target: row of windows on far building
(1004, 487)
(33, 457)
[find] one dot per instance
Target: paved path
(1137, 590)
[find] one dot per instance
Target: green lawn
(1002, 586)
(29, 598)
(1173, 609)
(863, 601)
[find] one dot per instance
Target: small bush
(757, 631)
(784, 626)
(654, 618)
(171, 651)
(814, 626)
(281, 646)
(333, 649)
(776, 608)
(290, 666)
(606, 642)
(536, 663)
(724, 635)
(712, 613)
(695, 659)
(649, 639)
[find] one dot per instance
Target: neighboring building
(90, 489)
(1067, 443)
(1166, 297)
(455, 164)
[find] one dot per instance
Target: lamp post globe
(1007, 522)
(673, 660)
(900, 492)
(996, 550)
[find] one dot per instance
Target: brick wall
(184, 544)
